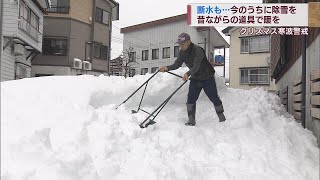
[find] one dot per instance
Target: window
(166, 52)
(24, 11)
(244, 78)
(176, 51)
(254, 76)
(105, 18)
(102, 16)
(144, 71)
(100, 51)
(255, 44)
(154, 69)
(97, 51)
(104, 52)
(57, 47)
(58, 6)
(34, 21)
(132, 57)
(244, 45)
(29, 21)
(132, 72)
(259, 44)
(155, 53)
(145, 54)
(99, 14)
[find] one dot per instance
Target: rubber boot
(191, 108)
(220, 110)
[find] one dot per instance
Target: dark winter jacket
(195, 59)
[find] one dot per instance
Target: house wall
(76, 27)
(238, 60)
(160, 37)
(60, 71)
(7, 64)
(36, 43)
(101, 31)
(102, 34)
(290, 51)
(79, 35)
(55, 27)
(312, 63)
(55, 70)
(81, 10)
(9, 61)
(10, 18)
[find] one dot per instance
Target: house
(152, 44)
(295, 66)
(248, 60)
(116, 66)
(21, 37)
(77, 37)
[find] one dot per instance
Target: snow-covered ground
(67, 128)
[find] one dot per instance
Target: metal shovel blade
(133, 111)
(150, 122)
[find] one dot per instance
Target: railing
(58, 9)
(315, 91)
(284, 97)
(29, 29)
(297, 94)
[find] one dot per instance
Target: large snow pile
(67, 128)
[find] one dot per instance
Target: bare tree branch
(127, 60)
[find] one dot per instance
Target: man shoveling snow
(202, 77)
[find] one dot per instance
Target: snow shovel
(150, 119)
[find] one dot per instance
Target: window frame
(133, 58)
(145, 72)
(248, 43)
(145, 55)
(132, 72)
(154, 69)
(26, 23)
(176, 50)
(50, 50)
(64, 9)
(101, 55)
(101, 19)
(155, 55)
(244, 50)
(248, 74)
(165, 52)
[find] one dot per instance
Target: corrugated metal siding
(275, 52)
(23, 62)
(7, 65)
(10, 18)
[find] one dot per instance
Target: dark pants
(209, 87)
